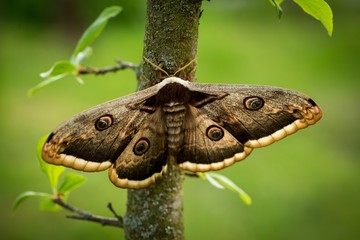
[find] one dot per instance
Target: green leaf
(92, 32)
(26, 195)
(71, 181)
(59, 70)
(79, 80)
(225, 182)
(53, 172)
(211, 180)
(49, 205)
(320, 10)
(81, 56)
(276, 4)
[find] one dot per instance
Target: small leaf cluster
(82, 51)
(70, 182)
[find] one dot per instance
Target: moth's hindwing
(208, 145)
(144, 159)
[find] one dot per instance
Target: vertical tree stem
(170, 42)
(171, 37)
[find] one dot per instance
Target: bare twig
(113, 212)
(87, 216)
(122, 65)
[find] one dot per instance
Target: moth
(201, 127)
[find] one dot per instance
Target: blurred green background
(304, 187)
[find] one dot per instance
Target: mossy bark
(170, 42)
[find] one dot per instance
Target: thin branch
(113, 212)
(87, 216)
(122, 65)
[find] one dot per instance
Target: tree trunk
(170, 42)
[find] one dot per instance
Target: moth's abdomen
(174, 117)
